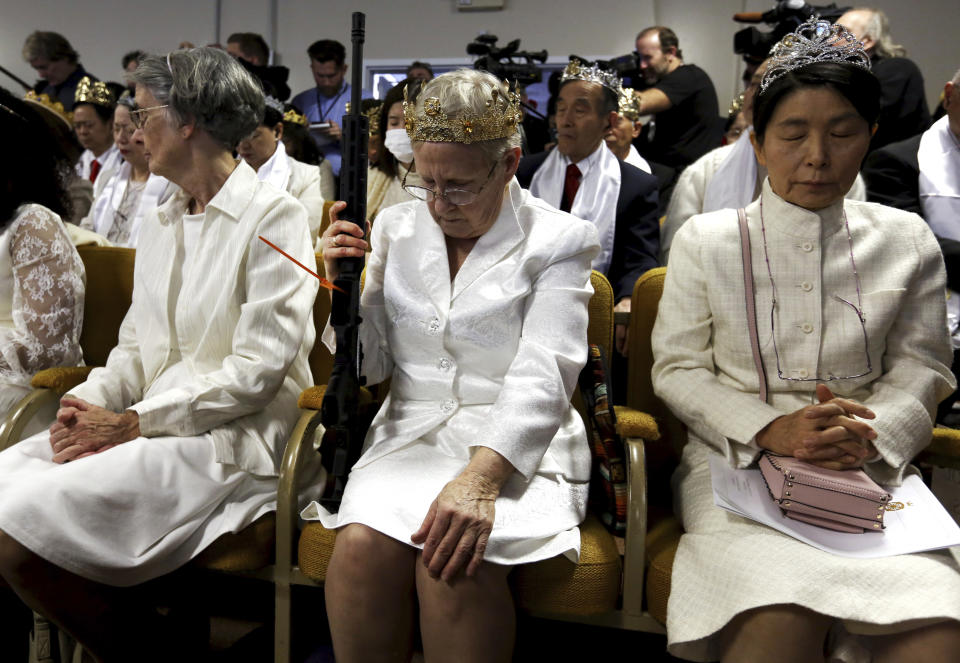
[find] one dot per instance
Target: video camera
(785, 17)
(501, 62)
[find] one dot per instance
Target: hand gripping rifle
(344, 420)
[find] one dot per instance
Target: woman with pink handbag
(850, 326)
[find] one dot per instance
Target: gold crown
(629, 103)
(50, 105)
(500, 120)
(294, 117)
(93, 92)
(578, 70)
(373, 115)
(736, 105)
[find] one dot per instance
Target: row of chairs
(621, 582)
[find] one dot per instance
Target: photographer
(682, 99)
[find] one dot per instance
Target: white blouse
(111, 190)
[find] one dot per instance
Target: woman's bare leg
(370, 596)
(938, 643)
(469, 619)
(108, 621)
(783, 633)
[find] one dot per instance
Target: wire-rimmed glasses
(456, 197)
(139, 116)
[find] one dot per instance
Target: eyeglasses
(139, 116)
(857, 309)
(456, 197)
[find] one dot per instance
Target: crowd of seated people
(479, 257)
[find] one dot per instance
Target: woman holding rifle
(475, 304)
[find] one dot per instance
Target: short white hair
(877, 26)
(467, 92)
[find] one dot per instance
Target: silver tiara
(274, 103)
(578, 70)
(816, 40)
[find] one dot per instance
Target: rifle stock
(344, 422)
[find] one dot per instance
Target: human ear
(278, 130)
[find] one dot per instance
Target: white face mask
(398, 142)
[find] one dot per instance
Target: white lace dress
(41, 300)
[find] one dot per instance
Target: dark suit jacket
(892, 174)
(636, 241)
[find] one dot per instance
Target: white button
(445, 364)
(807, 286)
(448, 406)
(806, 327)
(807, 246)
(802, 373)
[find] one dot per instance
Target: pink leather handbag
(842, 500)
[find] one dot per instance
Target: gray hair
(467, 92)
(877, 27)
(208, 87)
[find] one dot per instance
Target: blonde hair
(467, 92)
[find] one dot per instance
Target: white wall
(102, 30)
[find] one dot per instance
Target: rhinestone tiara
(93, 92)
(580, 70)
(432, 124)
(816, 40)
(273, 102)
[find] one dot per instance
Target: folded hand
(82, 429)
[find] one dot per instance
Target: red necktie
(570, 185)
(94, 170)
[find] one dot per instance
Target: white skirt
(727, 564)
(128, 514)
(392, 494)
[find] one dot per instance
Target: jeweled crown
(294, 117)
(373, 116)
(579, 70)
(629, 103)
(816, 40)
(93, 92)
(432, 124)
(53, 106)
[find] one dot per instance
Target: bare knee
(935, 643)
(15, 559)
(362, 554)
(791, 632)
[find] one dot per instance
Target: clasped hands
(829, 433)
(83, 429)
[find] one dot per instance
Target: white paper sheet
(920, 523)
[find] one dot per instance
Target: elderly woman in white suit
(475, 303)
(175, 441)
(856, 357)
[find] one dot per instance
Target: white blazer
(492, 358)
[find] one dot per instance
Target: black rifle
(344, 420)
